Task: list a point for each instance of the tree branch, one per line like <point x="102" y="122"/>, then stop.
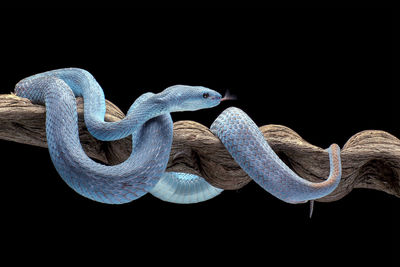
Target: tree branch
<point x="370" y="159"/>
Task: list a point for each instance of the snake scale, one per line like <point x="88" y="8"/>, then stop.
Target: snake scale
<point x="149" y="123"/>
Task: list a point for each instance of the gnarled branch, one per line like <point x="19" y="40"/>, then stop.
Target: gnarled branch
<point x="370" y="159"/>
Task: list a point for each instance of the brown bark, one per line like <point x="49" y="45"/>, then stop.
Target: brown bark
<point x="370" y="159"/>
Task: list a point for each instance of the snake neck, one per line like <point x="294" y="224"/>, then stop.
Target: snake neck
<point x="147" y="107"/>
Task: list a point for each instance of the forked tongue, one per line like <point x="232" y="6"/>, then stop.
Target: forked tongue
<point x="228" y="96"/>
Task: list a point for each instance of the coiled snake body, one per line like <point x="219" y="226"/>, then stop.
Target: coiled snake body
<point x="149" y="122"/>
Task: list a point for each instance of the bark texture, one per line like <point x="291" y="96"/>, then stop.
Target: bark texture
<point x="370" y="159"/>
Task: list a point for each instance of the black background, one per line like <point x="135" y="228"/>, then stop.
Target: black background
<point x="325" y="73"/>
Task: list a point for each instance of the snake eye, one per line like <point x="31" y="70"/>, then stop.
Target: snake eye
<point x="206" y="95"/>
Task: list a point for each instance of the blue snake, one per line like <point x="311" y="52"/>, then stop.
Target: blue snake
<point x="149" y="123"/>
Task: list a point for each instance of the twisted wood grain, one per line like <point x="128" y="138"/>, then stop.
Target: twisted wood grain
<point x="370" y="159"/>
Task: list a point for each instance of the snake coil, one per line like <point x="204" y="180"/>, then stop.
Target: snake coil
<point x="149" y="123"/>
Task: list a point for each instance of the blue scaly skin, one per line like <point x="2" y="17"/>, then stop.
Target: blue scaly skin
<point x="149" y="122"/>
<point x="254" y="155"/>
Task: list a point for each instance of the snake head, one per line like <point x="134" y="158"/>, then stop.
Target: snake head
<point x="191" y="98"/>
